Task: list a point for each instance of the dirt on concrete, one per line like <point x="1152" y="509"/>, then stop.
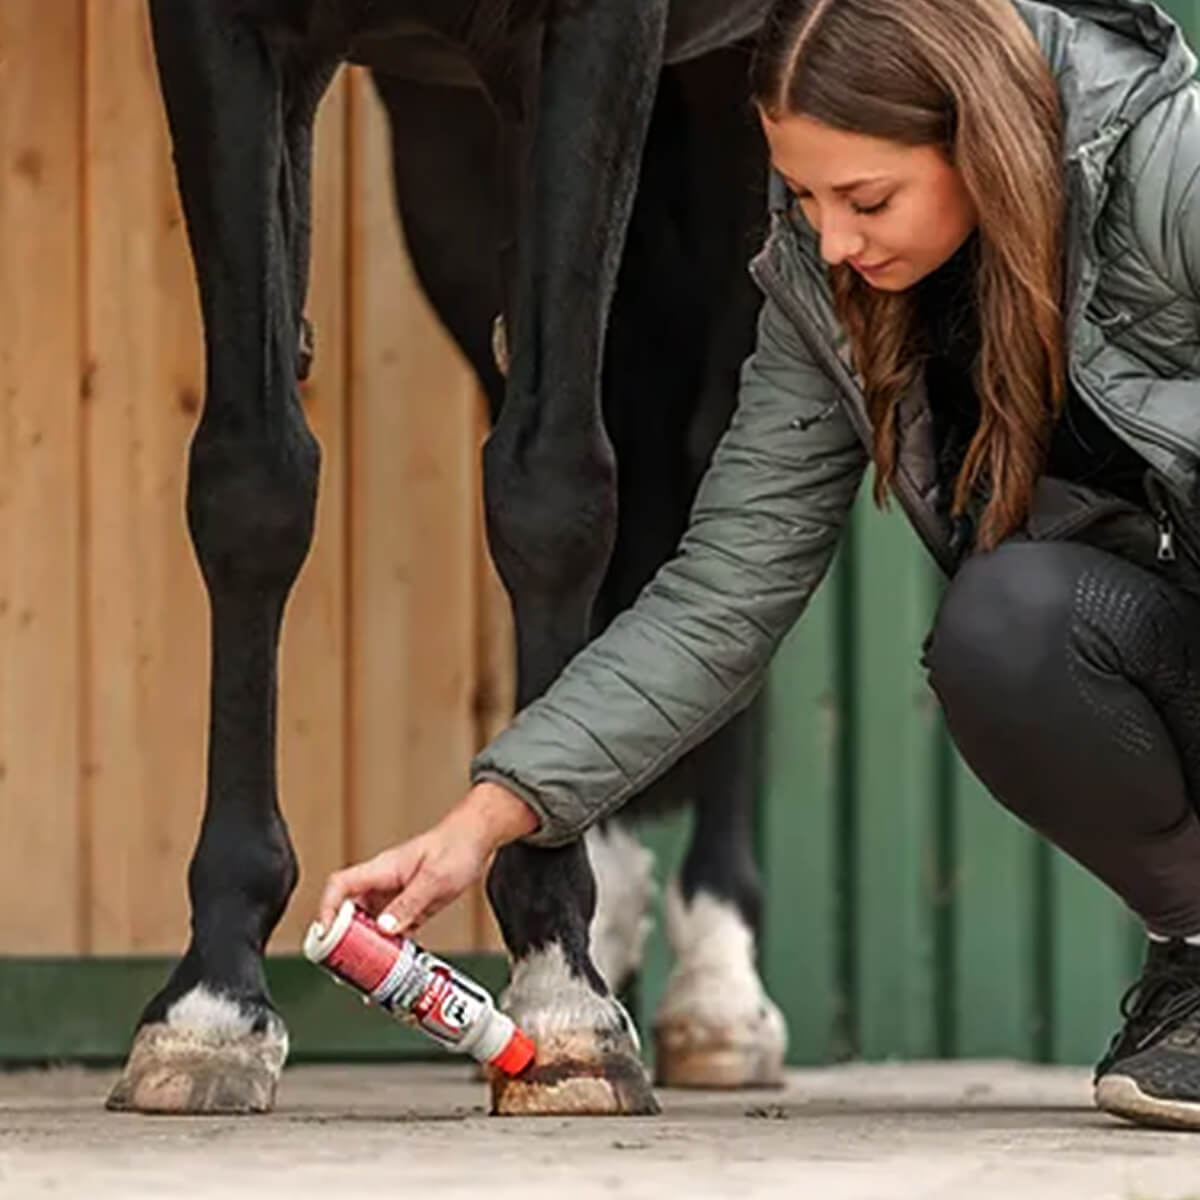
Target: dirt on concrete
<point x="973" y="1131"/>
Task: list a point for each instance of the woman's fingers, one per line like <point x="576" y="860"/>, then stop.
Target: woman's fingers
<point x="440" y="879"/>
<point x="412" y="881"/>
<point x="374" y="882"/>
<point x="411" y="909"/>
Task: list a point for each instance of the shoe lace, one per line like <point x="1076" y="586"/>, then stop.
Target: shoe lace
<point x="1161" y="1000"/>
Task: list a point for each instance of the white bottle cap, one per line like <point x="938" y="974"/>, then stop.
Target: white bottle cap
<point x="319" y="942"/>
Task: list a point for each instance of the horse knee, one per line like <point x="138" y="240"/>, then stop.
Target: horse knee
<point x="551" y="506"/>
<point x="251" y="507"/>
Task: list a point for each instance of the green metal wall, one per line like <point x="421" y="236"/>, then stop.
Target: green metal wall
<point x="1187" y="13"/>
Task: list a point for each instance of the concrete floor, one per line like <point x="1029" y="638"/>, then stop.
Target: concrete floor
<point x="936" y="1132"/>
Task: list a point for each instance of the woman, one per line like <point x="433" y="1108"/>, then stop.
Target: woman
<point x="983" y="275"/>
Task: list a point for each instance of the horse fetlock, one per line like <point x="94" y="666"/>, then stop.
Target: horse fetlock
<point x="239" y="885"/>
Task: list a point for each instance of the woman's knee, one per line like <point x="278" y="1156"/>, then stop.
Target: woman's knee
<point x="1002" y="625"/>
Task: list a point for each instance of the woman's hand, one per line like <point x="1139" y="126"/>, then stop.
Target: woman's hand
<point x="408" y="883"/>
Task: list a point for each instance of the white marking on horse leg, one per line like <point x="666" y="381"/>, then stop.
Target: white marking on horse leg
<point x="624" y="872"/>
<point x="547" y="999"/>
<point x="588" y="1056"/>
<point x="716" y="1026"/>
<point x="209" y="1016"/>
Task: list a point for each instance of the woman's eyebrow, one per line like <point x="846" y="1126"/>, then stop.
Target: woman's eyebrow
<point x="841" y="188"/>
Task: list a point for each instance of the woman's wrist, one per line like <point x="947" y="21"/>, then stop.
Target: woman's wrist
<point x="495" y="815"/>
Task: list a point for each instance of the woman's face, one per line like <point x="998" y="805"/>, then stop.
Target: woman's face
<point x="895" y="213"/>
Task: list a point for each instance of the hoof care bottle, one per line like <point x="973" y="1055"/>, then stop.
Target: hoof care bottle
<point x="416" y="987"/>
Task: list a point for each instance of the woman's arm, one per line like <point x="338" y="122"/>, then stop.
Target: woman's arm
<point x="689" y="653"/>
<point x="693" y="649"/>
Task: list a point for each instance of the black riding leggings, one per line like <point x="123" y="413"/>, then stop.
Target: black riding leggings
<point x="1070" y="681"/>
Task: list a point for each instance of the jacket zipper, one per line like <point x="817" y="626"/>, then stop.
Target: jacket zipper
<point x="1166" y="538"/>
<point x="1162" y="518"/>
<point x="931" y="534"/>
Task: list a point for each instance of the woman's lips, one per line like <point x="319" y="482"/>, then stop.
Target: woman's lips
<point x="871" y="268"/>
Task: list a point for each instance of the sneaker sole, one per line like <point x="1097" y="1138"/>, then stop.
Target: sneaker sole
<point x="1121" y="1096"/>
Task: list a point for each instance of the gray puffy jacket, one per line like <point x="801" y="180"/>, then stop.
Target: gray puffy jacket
<point x="695" y="646"/>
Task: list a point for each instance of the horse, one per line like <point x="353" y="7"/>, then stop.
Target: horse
<point x="548" y="159"/>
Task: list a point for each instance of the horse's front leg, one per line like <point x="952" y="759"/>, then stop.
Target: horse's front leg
<point x="241" y="120"/>
<point x="550" y="488"/>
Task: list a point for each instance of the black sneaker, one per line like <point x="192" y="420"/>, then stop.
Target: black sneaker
<point x="1151" y="1073"/>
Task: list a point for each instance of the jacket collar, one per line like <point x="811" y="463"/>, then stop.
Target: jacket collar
<point x="1113" y="60"/>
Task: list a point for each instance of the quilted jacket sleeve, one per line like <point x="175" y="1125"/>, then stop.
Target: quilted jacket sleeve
<point x="693" y="649"/>
<point x="1164" y="171"/>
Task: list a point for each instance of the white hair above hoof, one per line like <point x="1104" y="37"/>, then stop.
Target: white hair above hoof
<point x="588" y="1057"/>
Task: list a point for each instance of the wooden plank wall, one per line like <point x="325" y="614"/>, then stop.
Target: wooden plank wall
<point x="396" y="646"/>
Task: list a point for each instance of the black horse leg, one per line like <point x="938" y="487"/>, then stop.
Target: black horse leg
<point x="241" y="118"/>
<point x="716" y="1027"/>
<point x="550" y="492"/>
<point x="683" y="321"/>
<point x="446" y="147"/>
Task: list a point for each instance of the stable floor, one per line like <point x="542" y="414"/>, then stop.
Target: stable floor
<point x="895" y="1132"/>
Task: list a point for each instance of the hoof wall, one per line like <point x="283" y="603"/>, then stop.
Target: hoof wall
<point x="174" y="1071"/>
<point x="564" y="1081"/>
<point x="688" y="1055"/>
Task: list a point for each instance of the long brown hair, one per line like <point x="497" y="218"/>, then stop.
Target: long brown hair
<point x="969" y="77"/>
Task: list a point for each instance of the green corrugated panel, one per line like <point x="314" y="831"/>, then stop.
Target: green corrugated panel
<point x="1090" y="962"/>
<point x="1187" y="13"/>
<point x="995" y="919"/>
<point x="799" y="832"/>
<point x="905" y="906"/>
<point x="895" y="768"/>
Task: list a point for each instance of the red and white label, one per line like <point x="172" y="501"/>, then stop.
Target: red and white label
<point x="365" y="954"/>
<point x="447" y="1008"/>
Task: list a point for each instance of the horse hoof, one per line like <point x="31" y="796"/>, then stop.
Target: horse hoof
<point x="692" y="1054"/>
<point x="716" y="1027"/>
<point x="588" y="1061"/>
<point x="577" y="1075"/>
<point x="211" y="1055"/>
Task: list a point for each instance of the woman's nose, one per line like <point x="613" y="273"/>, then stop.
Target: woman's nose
<point x="840" y="242"/>
<point x="839" y="238"/>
